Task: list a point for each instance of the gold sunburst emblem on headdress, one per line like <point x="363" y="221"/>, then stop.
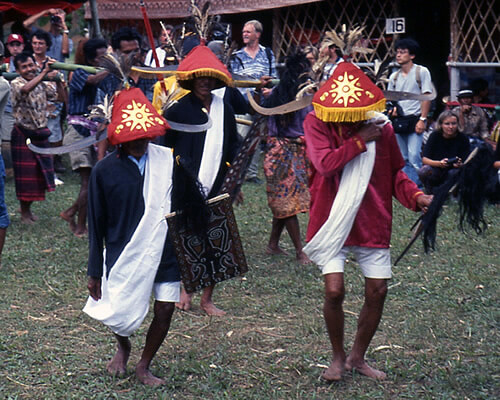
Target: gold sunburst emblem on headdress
<point x="345" y="90"/>
<point x="138" y="116"/>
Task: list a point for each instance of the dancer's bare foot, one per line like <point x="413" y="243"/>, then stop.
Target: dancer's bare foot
<point x="34" y="218"/>
<point x="70" y="220"/>
<point x="146" y="377"/>
<point x="334" y="371"/>
<point x="302" y="258"/>
<point x="185" y="301"/>
<point x="275" y="250"/>
<point x="364" y="369"/>
<point x="80" y="232"/>
<point x="118" y="364"/>
<point x="27" y="220"/>
<point x="210" y="308"/>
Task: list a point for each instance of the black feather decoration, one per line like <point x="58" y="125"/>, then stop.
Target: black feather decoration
<point x="476" y="184"/>
<point x="188" y="199"/>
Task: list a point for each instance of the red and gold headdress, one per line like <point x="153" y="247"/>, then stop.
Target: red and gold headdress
<point x="134" y="117"/>
<point x="348" y="96"/>
<point x="202" y="62"/>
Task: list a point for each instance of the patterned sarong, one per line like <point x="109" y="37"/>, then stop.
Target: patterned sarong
<point x="33" y="172"/>
<point x="286" y="169"/>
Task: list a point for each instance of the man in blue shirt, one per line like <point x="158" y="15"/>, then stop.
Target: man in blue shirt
<point x="82" y="93"/>
<point x="62" y="45"/>
<point x="254" y="61"/>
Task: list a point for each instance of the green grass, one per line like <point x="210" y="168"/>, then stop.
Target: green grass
<point x="437" y="339"/>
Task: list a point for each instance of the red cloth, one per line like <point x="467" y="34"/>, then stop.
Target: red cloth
<point x="329" y="148"/>
<point x="347" y="96"/>
<point x="33" y="172"/>
<point x="202" y="62"/>
<point x="134" y="117"/>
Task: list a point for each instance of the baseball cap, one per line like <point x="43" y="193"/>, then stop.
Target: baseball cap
<point x="14" y="37"/>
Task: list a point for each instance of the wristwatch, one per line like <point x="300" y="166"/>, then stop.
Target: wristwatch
<point x="66" y="31"/>
<point x="422" y="119"/>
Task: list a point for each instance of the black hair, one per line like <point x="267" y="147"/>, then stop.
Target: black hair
<point x="125" y="33"/>
<point x="90" y="48"/>
<point x="297" y="67"/>
<point x="42" y="35"/>
<point x="22" y="57"/>
<point x="478" y="85"/>
<point x="409" y="44"/>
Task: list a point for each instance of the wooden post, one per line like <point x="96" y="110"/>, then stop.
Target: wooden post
<point x="96" y="28"/>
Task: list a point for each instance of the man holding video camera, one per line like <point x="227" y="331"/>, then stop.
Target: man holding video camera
<point x="62" y="45"/>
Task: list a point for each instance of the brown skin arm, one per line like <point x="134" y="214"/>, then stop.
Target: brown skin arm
<point x="31" y="20"/>
<point x="423" y="201"/>
<point x="36" y="80"/>
<point x="94" y="287"/>
<point x="95" y="79"/>
<point x="369" y="132"/>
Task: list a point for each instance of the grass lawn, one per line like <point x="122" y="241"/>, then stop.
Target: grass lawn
<point x="436" y="339"/>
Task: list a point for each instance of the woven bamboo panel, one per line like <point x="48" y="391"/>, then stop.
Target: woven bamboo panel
<point x="475" y="30"/>
<point x="305" y="24"/>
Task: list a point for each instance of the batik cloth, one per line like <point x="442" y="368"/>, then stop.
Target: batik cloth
<point x="285" y="167"/>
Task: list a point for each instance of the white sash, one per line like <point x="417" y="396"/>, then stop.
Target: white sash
<point x="212" y="149"/>
<point x="330" y="238"/>
<point x="126" y="292"/>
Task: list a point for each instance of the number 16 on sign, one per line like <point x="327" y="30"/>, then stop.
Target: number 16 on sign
<point x="394" y="25"/>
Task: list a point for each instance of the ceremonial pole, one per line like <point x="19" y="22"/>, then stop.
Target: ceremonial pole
<point x="152" y="42"/>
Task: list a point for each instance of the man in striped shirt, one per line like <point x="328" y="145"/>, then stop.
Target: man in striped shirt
<point x="255" y="62"/>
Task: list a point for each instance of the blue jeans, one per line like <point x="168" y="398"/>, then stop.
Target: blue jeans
<point x="4" y="214"/>
<point x="411" y="146"/>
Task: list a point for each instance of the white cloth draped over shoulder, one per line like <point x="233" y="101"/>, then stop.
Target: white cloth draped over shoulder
<point x="212" y="149"/>
<point x="330" y="238"/>
<point x="127" y="291"/>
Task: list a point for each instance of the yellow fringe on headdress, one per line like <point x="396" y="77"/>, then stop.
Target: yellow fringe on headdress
<point x="204" y="72"/>
<point x="347" y="114"/>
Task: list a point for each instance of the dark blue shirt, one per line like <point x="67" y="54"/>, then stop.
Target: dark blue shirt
<point x="112" y="83"/>
<point x="81" y="96"/>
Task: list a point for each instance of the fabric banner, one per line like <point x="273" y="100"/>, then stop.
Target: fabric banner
<point x="205" y="261"/>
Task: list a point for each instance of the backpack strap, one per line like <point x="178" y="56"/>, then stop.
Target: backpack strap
<point x="417" y="77"/>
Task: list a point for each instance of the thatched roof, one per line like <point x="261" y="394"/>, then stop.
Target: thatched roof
<point x="171" y="9"/>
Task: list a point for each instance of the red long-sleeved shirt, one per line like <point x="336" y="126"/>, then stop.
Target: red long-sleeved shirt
<point x="330" y="147"/>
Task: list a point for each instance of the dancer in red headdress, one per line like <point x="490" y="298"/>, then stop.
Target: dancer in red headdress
<point x="129" y="196"/>
<point x="356" y="169"/>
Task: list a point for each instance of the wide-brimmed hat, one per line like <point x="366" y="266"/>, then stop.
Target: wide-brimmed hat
<point x="134" y="117"/>
<point x="202" y="62"/>
<point x="348" y="96"/>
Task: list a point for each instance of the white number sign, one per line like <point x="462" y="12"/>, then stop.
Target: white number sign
<point x="394" y="25"/>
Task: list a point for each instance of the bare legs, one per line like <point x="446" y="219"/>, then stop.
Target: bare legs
<point x="79" y="206"/>
<point x="206" y="302"/>
<point x="292" y="226"/>
<point x="157" y="332"/>
<point x="369" y="318"/>
<point x="27" y="217"/>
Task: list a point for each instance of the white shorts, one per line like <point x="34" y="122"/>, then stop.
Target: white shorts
<point x="374" y="263"/>
<point x="169" y="292"/>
